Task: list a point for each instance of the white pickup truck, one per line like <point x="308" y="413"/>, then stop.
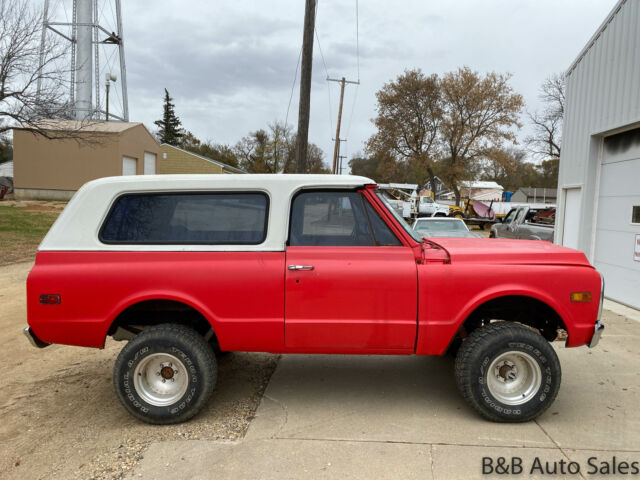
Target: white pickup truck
<point x="525" y="223"/>
<point x="427" y="207"/>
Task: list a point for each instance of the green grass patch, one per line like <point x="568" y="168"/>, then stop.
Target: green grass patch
<point x="21" y="232"/>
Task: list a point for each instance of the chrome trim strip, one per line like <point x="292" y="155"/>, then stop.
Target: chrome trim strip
<point x="597" y="333"/>
<point x="33" y="339"/>
<point x="601" y="296"/>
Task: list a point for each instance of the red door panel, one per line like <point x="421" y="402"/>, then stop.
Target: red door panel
<point x="353" y="298"/>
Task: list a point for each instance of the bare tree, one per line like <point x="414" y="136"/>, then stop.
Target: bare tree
<point x="546" y="140"/>
<point x="24" y="65"/>
<point x="274" y="151"/>
<point x="409" y="114"/>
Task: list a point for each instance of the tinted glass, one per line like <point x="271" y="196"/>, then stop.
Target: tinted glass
<point x="329" y="219"/>
<point x="635" y="214"/>
<point x="399" y="218"/>
<point x="381" y="231"/>
<point x="509" y="216"/>
<point x="188" y="218"/>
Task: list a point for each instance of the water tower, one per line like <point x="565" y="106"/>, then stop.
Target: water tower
<point x="94" y="30"/>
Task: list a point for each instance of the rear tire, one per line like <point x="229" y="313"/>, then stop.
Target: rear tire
<point x="165" y="374"/>
<point x="507" y="372"/>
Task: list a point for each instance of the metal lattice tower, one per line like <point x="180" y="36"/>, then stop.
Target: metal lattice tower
<point x="94" y="25"/>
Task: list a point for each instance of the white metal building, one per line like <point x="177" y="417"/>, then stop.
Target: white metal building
<point x="599" y="180"/>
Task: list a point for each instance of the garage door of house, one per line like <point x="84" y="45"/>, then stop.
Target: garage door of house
<point x="129" y="166"/>
<point x="149" y="163"/>
<point x="617" y="248"/>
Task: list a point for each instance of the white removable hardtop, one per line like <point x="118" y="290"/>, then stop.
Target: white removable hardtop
<point x="77" y="228"/>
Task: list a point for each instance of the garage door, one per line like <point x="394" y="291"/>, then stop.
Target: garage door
<point x="149" y="163"/>
<point x="571" y="229"/>
<point x="618" y="225"/>
<point x="129" y="166"/>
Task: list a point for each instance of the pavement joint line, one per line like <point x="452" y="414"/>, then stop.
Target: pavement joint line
<point x="433" y="475"/>
<point x="447" y="444"/>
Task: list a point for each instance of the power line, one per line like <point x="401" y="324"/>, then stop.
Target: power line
<point x="293" y="87"/>
<point x="326" y="71"/>
<point x="353" y="107"/>
<point x="357" y="41"/>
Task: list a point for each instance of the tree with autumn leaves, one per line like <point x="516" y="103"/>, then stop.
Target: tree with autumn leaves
<point x="445" y="125"/>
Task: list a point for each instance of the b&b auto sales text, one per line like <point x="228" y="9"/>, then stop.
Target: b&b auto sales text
<point x="593" y="466"/>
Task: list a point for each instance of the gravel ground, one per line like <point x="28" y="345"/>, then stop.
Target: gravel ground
<point x="59" y="415"/>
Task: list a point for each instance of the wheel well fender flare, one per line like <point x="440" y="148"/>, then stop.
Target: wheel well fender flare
<point x="496" y="293"/>
<point x="139" y="298"/>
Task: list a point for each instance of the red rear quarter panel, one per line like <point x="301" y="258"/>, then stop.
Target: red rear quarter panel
<point x="240" y="293"/>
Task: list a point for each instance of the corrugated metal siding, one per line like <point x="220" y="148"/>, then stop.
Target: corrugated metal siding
<point x="6" y="169"/>
<point x="603" y="94"/>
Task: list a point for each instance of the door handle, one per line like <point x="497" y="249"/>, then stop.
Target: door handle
<point x="300" y="267"/>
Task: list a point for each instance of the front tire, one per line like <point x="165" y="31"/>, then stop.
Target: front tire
<point x="508" y="372"/>
<point x="165" y="374"/>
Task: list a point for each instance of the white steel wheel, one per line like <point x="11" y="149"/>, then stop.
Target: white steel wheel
<point x="514" y="378"/>
<point x="161" y="379"/>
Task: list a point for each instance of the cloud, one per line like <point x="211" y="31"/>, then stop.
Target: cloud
<point x="230" y="65"/>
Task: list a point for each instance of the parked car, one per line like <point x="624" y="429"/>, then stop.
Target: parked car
<point x="524" y="223"/>
<point x="184" y="266"/>
<point x="443" y="227"/>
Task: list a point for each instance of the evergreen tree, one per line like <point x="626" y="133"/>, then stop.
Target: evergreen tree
<point x="169" y="127"/>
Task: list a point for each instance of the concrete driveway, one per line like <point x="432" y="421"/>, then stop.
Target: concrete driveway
<point x="402" y="417"/>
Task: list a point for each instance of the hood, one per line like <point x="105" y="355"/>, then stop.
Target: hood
<point x="509" y="252"/>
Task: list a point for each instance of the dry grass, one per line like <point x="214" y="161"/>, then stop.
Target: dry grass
<point x="22" y="227"/>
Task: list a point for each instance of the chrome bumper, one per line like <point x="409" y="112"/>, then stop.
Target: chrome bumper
<point x="35" y="341"/>
<point x="599" y="326"/>
<point x="597" y="333"/>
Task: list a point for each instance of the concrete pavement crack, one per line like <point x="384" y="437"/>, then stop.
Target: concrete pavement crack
<point x="446" y="444"/>
<point x="285" y="411"/>
<point x="557" y="445"/>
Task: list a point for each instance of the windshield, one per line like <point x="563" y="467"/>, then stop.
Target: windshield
<point x="441" y="226"/>
<point x="398" y="217"/>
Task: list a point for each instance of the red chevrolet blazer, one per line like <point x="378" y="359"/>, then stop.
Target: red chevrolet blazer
<point x="183" y="267"/>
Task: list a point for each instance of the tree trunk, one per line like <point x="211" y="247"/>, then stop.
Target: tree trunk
<point x="432" y="181"/>
<point x="456" y="191"/>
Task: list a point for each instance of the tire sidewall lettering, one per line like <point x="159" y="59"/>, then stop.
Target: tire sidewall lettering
<point x="514" y="410"/>
<point x="131" y="395"/>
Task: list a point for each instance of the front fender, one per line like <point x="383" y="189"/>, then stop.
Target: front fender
<point x="449" y="294"/>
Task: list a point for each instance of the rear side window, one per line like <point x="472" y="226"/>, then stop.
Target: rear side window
<point x="188" y="218"/>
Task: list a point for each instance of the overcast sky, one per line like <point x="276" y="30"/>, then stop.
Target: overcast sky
<point x="229" y="65"/>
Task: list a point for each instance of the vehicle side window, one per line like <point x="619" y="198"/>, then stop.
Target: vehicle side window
<point x="509" y="217"/>
<point x="187" y="218"/>
<point x="381" y="231"/>
<point x="328" y="219"/>
<point x="520" y="214"/>
<point x="335" y="218"/>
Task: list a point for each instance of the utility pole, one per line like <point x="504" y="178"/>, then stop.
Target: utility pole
<point x="336" y="166"/>
<point x="302" y="139"/>
<point x="336" y="148"/>
<point x="340" y="157"/>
